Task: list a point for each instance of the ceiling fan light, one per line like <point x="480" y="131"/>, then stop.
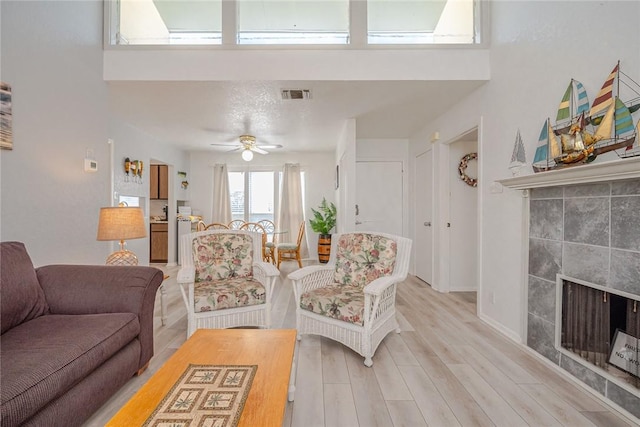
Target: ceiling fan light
<point x="247" y="155"/>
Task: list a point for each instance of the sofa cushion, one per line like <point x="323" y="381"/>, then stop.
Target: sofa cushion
<point x="46" y="356"/>
<point x="21" y="296"/>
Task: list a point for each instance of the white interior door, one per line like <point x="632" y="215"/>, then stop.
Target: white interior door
<point x="424" y="215"/>
<point x="379" y="192"/>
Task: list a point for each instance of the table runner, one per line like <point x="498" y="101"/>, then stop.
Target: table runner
<point x="205" y="395"/>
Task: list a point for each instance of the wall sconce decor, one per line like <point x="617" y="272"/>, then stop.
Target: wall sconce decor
<point x="133" y="167"/>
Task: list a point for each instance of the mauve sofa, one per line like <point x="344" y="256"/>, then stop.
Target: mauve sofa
<point x="72" y="335"/>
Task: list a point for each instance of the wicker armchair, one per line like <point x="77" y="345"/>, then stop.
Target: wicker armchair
<point x="351" y="299"/>
<point x="223" y="280"/>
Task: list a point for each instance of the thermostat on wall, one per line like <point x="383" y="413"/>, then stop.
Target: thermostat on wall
<point x="90" y="165"/>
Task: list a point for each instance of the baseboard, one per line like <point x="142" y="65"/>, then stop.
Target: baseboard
<point x="504" y="331"/>
<point x="518" y="340"/>
<point x="605" y="401"/>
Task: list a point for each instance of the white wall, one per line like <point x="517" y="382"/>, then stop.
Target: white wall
<point x="531" y="67"/>
<point x="319" y="169"/>
<point x="52" y="58"/>
<point x="345" y="156"/>
<point x="463" y="208"/>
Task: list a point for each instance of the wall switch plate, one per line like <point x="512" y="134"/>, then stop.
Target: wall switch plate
<point x="90" y="165"/>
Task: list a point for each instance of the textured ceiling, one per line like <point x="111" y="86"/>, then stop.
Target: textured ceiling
<point x="192" y="115"/>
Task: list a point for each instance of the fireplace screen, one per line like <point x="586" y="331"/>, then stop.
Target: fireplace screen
<point x="590" y="319"/>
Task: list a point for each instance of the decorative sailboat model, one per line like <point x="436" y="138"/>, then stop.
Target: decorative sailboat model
<point x="518" y="157"/>
<point x="548" y="150"/>
<point x="615" y="128"/>
<point x="574" y="103"/>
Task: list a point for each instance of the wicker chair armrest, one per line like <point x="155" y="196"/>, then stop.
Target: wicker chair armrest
<point x="267" y="268"/>
<point x="378" y="286"/>
<point x="308" y="278"/>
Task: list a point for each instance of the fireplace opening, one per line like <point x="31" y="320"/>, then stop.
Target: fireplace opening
<point x="602" y="328"/>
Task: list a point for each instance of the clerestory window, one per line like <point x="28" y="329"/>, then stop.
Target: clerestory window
<point x="294" y="22"/>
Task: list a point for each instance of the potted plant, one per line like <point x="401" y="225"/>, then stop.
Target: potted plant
<point x="324" y="220"/>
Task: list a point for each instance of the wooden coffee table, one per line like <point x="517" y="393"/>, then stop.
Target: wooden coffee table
<point x="271" y="349"/>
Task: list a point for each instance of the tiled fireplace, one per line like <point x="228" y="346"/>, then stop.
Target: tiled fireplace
<point x="589" y="232"/>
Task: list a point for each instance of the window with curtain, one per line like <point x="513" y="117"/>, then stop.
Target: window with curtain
<point x="253" y="195"/>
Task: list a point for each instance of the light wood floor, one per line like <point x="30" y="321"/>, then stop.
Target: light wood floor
<point x="446" y="368"/>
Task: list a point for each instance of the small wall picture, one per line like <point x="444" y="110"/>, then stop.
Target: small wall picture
<point x="6" y="119"/>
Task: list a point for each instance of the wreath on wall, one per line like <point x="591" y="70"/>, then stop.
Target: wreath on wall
<point x="462" y="167"/>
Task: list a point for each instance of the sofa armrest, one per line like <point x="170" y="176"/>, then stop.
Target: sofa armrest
<point x="92" y="289"/>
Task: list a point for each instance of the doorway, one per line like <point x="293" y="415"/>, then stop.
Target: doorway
<point x="463" y="215"/>
<point x="424" y="216"/>
<point x="379" y="196"/>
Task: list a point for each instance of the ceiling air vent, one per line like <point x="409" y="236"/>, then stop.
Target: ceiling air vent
<point x="296" y="94"/>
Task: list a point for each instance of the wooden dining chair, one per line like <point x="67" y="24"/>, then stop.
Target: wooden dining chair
<point x="272" y="239"/>
<point x="257" y="228"/>
<point x="216" y="226"/>
<point x="291" y="251"/>
<point x="235" y="224"/>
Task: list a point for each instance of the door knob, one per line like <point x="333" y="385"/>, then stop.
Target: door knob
<point x="358" y="222"/>
<point x="427" y="223"/>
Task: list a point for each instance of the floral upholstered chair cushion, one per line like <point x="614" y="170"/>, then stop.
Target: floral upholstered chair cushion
<point x="222" y="256"/>
<point x="360" y="259"/>
<point x="224" y="272"/>
<point x="227" y="293"/>
<point x="340" y="302"/>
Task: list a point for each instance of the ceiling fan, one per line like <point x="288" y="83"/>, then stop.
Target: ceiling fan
<point x="248" y="145"/>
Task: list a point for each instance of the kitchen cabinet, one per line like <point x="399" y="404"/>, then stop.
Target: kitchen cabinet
<point x="159" y="182"/>
<point x="159" y="242"/>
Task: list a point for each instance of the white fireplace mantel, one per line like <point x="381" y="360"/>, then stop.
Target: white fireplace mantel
<point x="584" y="174"/>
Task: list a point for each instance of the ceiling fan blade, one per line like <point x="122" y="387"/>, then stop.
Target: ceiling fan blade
<point x="259" y="150"/>
<point x="270" y="146"/>
<point x="235" y="149"/>
<point x="225" y="144"/>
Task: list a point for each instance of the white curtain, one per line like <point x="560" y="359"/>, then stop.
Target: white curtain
<point x="221" y="198"/>
<point x="291" y="212"/>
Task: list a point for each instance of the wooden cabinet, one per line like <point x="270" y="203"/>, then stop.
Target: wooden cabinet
<point x="159" y="182"/>
<point x="159" y="242"/>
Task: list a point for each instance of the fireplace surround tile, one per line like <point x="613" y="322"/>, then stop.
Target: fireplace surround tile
<point x="587" y="190"/>
<point x="623" y="398"/>
<point x="625" y="188"/>
<point x="586" y="262"/>
<point x="625" y="271"/>
<point x="540" y="337"/>
<point x="545" y="258"/>
<point x="546" y="219"/>
<point x="625" y="224"/>
<point x="584" y="374"/>
<point x="547" y="193"/>
<point x="542" y="298"/>
<point x="586" y="220"/>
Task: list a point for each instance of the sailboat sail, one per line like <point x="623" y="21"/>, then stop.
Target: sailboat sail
<point x="617" y="120"/>
<point x="605" y="96"/>
<point x="574" y="102"/>
<point x="548" y="149"/>
<point x="518" y="157"/>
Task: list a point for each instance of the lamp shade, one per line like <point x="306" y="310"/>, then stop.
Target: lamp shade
<point x="121" y="223"/>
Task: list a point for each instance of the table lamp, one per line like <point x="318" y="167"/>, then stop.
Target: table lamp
<point x="121" y="223"/>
